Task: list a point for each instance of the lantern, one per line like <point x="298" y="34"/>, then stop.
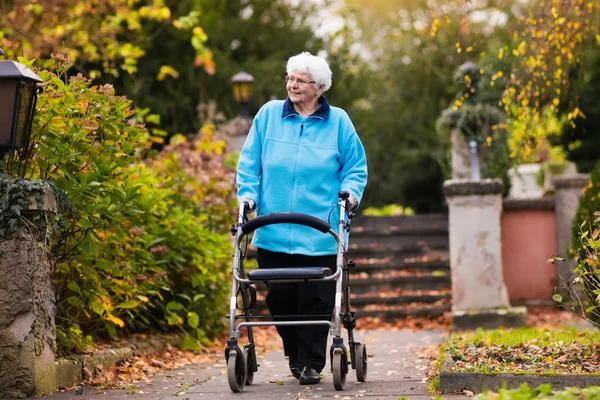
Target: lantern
<point x="243" y="86"/>
<point x="18" y="97"/>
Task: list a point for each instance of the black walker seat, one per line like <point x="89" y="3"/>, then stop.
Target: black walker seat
<point x="267" y="274"/>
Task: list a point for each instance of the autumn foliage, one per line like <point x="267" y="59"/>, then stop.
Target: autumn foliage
<point x="145" y="243"/>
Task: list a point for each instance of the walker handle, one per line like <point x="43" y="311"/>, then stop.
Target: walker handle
<point x="282" y="218"/>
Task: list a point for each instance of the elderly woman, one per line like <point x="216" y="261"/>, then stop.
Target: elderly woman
<point x="300" y="152"/>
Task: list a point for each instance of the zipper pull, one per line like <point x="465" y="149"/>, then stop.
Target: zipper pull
<point x="301" y="129"/>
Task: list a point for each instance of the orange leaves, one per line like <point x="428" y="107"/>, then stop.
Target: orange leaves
<point x="100" y="32"/>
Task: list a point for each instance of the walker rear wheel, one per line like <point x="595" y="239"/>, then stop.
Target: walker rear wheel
<point x="236" y="371"/>
<point x="361" y="362"/>
<point x="339" y="369"/>
<point x="249" y="372"/>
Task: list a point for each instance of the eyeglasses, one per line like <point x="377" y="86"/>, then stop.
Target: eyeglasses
<point x="300" y="82"/>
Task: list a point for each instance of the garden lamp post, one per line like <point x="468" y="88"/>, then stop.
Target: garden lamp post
<point x="18" y="97"/>
<point x="243" y="86"/>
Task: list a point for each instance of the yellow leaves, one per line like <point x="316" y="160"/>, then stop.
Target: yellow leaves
<point x="58" y="123"/>
<point x="554" y="259"/>
<point x="167" y="70"/>
<point x="199" y="33"/>
<point x="156" y="139"/>
<point x="129" y="304"/>
<point x="117" y="321"/>
<point x="521" y="49"/>
<point x="575" y="113"/>
<point x="156" y="13"/>
<point x="501" y="53"/>
<point x="177" y="139"/>
<point x="598" y="39"/>
<point x="435" y="23"/>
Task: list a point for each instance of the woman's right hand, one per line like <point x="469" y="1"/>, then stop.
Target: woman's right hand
<point x="250" y="203"/>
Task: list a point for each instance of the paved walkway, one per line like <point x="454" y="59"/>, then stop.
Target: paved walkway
<point x="395" y="371"/>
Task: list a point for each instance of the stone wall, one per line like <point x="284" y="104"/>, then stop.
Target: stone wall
<point x="27" y="309"/>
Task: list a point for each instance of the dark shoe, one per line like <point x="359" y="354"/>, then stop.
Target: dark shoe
<point x="296" y="369"/>
<point x="309" y="376"/>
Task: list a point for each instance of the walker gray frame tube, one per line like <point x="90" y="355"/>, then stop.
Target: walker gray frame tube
<point x="234" y="331"/>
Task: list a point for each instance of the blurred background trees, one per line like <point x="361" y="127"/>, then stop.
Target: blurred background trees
<point x="393" y="63"/>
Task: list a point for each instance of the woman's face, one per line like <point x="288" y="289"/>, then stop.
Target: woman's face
<point x="301" y="88"/>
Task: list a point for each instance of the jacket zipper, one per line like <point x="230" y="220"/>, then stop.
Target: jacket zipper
<point x="294" y="181"/>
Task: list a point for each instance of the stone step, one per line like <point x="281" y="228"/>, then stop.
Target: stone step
<point x="376" y="281"/>
<point x="365" y="300"/>
<point x="416" y="311"/>
<point x="396" y="253"/>
<point x="433" y="241"/>
<point x="420" y="264"/>
<point x="437" y="229"/>
<point x="424" y="282"/>
<point x="389" y="304"/>
<point x="400" y="225"/>
<point x="399" y="242"/>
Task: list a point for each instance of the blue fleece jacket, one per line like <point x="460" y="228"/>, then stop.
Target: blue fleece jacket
<point x="295" y="164"/>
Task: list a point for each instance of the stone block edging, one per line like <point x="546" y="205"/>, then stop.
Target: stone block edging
<point x="69" y="370"/>
<point x="544" y="203"/>
<point x="489" y="318"/>
<point x="465" y="187"/>
<point x="479" y="382"/>
<point x="571" y="181"/>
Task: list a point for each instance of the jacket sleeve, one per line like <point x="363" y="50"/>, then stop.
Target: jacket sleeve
<point x="249" y="168"/>
<point x="354" y="168"/>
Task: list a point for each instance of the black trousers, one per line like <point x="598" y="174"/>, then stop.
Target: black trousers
<point x="306" y="344"/>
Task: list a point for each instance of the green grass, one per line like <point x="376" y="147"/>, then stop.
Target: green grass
<point x="525" y="351"/>
<point x="512" y="337"/>
<point x="434" y="382"/>
<point x="542" y="392"/>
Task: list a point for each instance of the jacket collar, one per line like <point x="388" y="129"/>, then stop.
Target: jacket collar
<point x="322" y="112"/>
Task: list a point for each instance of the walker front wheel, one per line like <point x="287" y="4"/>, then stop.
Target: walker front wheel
<point x="236" y="371"/>
<point x="339" y="369"/>
<point x="361" y="362"/>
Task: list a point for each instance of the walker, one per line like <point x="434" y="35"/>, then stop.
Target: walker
<point x="241" y="362"/>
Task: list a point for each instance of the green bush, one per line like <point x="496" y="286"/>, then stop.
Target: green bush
<point x="586" y="245"/>
<point x="388" y="210"/>
<point x="144" y="244"/>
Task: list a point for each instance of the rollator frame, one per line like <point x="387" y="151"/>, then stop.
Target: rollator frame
<point x="244" y="363"/>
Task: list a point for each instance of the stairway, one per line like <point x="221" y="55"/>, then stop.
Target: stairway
<point x="402" y="267"/>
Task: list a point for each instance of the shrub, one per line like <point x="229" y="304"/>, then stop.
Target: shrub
<point x="586" y="247"/>
<point x="145" y="243"/>
<point x="388" y="210"/>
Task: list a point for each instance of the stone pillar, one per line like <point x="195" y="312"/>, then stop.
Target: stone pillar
<point x="27" y="304"/>
<point x="461" y="163"/>
<point x="568" y="190"/>
<point x="479" y="295"/>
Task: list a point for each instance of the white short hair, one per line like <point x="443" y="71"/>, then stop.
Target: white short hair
<point x="317" y="67"/>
